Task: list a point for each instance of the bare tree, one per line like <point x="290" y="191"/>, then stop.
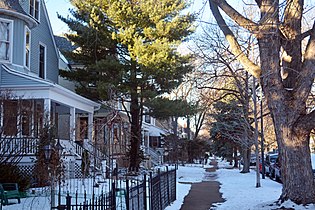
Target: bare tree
<point x="286" y="72"/>
<point x="16" y="133"/>
<point x="221" y="75"/>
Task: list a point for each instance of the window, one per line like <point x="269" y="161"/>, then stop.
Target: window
<point x="5" y="39"/>
<point x="42" y="61"/>
<point x="34" y="8"/>
<point x="10" y="113"/>
<point x="27" y="47"/>
<point x="147" y="118"/>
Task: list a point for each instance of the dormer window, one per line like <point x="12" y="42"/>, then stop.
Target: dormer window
<point x="6" y="31"/>
<point x="34" y="8"/>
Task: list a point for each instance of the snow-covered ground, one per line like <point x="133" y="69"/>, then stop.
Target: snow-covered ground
<point x="239" y="191"/>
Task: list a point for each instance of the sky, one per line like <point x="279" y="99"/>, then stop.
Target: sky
<point x="238" y="189"/>
<point x="62" y="7"/>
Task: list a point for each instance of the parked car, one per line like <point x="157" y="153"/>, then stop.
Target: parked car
<point x="252" y="161"/>
<point x="269" y="160"/>
<point x="275" y="170"/>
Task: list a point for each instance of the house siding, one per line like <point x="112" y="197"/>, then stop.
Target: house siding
<point x="25" y="5"/>
<point x="42" y="35"/>
<point x="18" y="43"/>
<point x="8" y="79"/>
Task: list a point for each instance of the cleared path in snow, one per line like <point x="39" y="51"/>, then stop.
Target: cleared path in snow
<point x="202" y="195"/>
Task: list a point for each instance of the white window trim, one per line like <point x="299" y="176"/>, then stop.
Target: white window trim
<point x="29" y="56"/>
<point x="11" y="40"/>
<point x="39" y="6"/>
<point x="45" y="59"/>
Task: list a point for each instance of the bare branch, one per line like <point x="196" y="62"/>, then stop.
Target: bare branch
<point x="307" y="75"/>
<point x="258" y="2"/>
<point x="251" y="67"/>
<point x="308" y="121"/>
<point x="236" y="16"/>
<point x="305" y="34"/>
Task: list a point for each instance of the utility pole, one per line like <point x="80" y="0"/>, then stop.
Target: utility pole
<point x="256" y="133"/>
<point x="262" y="137"/>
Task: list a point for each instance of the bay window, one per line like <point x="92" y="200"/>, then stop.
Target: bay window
<point x="5" y="39"/>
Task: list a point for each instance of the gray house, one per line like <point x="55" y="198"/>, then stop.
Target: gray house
<point x="29" y="91"/>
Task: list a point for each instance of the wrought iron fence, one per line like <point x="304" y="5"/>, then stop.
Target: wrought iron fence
<point x="153" y="192"/>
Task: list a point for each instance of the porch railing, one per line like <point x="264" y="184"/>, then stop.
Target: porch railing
<point x="155" y="157"/>
<point x="20" y="146"/>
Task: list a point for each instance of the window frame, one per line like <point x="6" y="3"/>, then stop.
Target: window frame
<point x="10" y="41"/>
<point x="39" y="60"/>
<point x="34" y="9"/>
<point x="27" y="49"/>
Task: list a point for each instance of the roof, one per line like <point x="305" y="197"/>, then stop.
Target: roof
<point x="13" y="8"/>
<point x="33" y="87"/>
<point x="64" y="44"/>
<point x="12" y="5"/>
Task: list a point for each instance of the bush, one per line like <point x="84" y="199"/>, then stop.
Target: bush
<point x="12" y="174"/>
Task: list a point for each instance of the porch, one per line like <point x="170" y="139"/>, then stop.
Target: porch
<point x="28" y="103"/>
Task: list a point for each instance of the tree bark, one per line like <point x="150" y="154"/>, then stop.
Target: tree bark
<point x="135" y="138"/>
<point x="246" y="160"/>
<point x="293" y="144"/>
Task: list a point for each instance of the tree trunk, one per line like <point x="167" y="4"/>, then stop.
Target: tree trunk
<point x="292" y="136"/>
<point x="296" y="173"/>
<point x="246" y="160"/>
<point x="287" y="106"/>
<point x="235" y="156"/>
<point x="135" y="138"/>
<point x="175" y="125"/>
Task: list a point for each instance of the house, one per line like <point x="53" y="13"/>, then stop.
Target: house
<point x="112" y="126"/>
<point x="30" y="94"/>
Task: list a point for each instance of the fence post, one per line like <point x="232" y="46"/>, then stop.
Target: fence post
<point x="127" y="194"/>
<point x="113" y="195"/>
<point x="160" y="190"/>
<point x="168" y="185"/>
<point x="68" y="201"/>
<point x="144" y="182"/>
<point x="175" y="174"/>
<point x="151" y="190"/>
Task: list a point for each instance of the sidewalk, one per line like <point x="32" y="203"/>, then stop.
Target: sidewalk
<point x="202" y="195"/>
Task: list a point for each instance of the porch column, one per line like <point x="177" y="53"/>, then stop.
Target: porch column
<point x="72" y="124"/>
<point x="47" y="111"/>
<point x="90" y="127"/>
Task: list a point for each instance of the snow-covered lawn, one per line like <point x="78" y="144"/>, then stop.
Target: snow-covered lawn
<point x="239" y="191"/>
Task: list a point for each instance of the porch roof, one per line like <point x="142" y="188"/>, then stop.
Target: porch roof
<point x="31" y="87"/>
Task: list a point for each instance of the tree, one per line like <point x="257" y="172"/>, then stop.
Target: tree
<point x="221" y="78"/>
<point x="286" y="72"/>
<point x="141" y="61"/>
<point x="230" y="129"/>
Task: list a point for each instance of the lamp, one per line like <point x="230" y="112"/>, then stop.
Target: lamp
<point x="59" y="148"/>
<point x="47" y="152"/>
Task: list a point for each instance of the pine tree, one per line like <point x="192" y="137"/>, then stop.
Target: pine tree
<point x="130" y="48"/>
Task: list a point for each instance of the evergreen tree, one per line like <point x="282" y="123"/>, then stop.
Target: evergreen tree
<point x="229" y="129"/>
<point x="128" y="48"/>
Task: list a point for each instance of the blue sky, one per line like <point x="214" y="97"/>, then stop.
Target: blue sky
<point x="62" y="7"/>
